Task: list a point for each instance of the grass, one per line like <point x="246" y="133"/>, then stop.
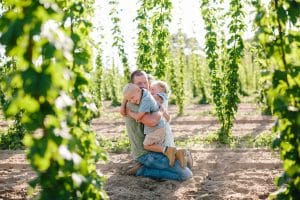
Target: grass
<point x="116" y="145"/>
<point x="121" y="144"/>
<point x="206" y="140"/>
<point x="265" y="140"/>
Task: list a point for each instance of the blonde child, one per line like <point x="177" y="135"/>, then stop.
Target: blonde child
<point x="160" y="91"/>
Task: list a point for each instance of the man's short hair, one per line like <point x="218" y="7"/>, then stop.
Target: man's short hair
<point x="137" y="73"/>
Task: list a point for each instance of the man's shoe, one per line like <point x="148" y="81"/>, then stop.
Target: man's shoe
<point x="180" y="156"/>
<point x="133" y="170"/>
<point x="170" y="153"/>
<point x="189" y="159"/>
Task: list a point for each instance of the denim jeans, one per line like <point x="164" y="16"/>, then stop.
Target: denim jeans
<point x="156" y="165"/>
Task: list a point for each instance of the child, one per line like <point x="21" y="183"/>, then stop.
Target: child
<point x="155" y="136"/>
<point x="160" y="91"/>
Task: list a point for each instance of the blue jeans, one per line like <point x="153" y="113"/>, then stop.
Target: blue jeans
<point x="156" y="165"/>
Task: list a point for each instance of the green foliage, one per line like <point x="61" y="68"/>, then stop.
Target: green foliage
<point x="160" y="36"/>
<point x="145" y="43"/>
<point x="116" y="145"/>
<point x="7" y="68"/>
<point x="173" y="82"/>
<point x="118" y="38"/>
<point x="54" y="94"/>
<point x="12" y="139"/>
<point x="211" y="49"/>
<point x="280" y="35"/>
<point x="234" y="53"/>
<point x="98" y="82"/>
<point x="180" y="93"/>
<point x="209" y="139"/>
<point x="113" y="85"/>
<point x="197" y="83"/>
<point x="106" y="85"/>
<point x="265" y="77"/>
<point x="177" y="72"/>
<point x="263" y="140"/>
<point x="224" y="68"/>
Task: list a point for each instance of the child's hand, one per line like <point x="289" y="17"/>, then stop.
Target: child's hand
<point x="158" y="99"/>
<point x="162" y="109"/>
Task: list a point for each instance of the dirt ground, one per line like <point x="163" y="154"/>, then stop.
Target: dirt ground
<point x="219" y="173"/>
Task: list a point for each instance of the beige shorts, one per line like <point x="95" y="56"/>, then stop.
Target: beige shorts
<point x="155" y="137"/>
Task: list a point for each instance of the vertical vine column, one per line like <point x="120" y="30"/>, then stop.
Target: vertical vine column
<point x="211" y="49"/>
<point x="51" y="87"/>
<point x="145" y="43"/>
<point x="235" y="48"/>
<point x="98" y="80"/>
<point x="119" y="39"/>
<point x="160" y="36"/>
<point x="180" y="76"/>
<point x="112" y="84"/>
<point x="224" y="68"/>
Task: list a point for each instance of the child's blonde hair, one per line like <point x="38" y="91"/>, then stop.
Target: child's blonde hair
<point x="162" y="85"/>
<point x="130" y="88"/>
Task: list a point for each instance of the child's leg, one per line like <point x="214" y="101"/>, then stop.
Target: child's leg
<point x="154" y="148"/>
<point x="153" y="142"/>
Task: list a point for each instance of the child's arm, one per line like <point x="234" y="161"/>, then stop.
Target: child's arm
<point x="123" y="107"/>
<point x="137" y="116"/>
<point x="166" y="115"/>
<point x="154" y="148"/>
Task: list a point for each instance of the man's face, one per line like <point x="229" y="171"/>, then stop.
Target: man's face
<point x="141" y="81"/>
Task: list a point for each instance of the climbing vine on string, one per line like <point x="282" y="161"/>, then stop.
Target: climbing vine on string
<point x="118" y="39"/>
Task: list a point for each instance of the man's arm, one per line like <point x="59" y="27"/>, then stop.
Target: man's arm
<point x="148" y="119"/>
<point x="151" y="119"/>
<point x="137" y="116"/>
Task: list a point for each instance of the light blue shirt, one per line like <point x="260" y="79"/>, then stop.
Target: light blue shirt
<point x="149" y="105"/>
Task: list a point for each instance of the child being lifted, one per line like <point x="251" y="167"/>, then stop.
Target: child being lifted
<point x="154" y="136"/>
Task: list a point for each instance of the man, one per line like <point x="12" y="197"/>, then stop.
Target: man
<point x="151" y="164"/>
